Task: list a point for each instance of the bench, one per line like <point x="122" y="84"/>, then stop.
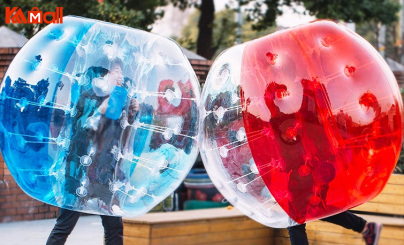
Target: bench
<point x="320" y="232"/>
<point x="205" y="226"/>
<point x="390" y="200"/>
<point x="229" y="226"/>
<point x="387" y="208"/>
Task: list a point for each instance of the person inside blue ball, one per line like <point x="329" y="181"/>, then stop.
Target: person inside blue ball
<point x="98" y="135"/>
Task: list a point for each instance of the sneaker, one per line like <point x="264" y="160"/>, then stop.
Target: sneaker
<point x="372" y="232"/>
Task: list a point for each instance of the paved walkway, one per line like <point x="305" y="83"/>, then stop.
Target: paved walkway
<point x="88" y="231"/>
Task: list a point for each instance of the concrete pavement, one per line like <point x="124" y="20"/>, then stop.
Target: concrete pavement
<point x="88" y="231"/>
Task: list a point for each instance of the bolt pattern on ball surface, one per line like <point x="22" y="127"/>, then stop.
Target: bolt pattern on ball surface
<point x="310" y="115"/>
<point x="99" y="118"/>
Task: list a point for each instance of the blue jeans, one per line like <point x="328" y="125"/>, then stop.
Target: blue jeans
<point x="348" y="220"/>
<point x="65" y="223"/>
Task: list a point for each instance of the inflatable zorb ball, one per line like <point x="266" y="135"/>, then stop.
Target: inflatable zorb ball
<point x="301" y="124"/>
<point x="99" y="118"/>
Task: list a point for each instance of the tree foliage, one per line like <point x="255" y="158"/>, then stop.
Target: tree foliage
<point x="134" y="13"/>
<point x="260" y="13"/>
<point x="264" y="13"/>
<point x="224" y="32"/>
<point x="383" y="11"/>
<point x="223" y="35"/>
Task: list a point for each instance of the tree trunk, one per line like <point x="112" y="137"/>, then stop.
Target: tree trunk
<point x="205" y="25"/>
<point x="377" y="34"/>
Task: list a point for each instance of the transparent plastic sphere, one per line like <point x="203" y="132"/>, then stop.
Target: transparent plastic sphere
<point x="224" y="147"/>
<point x="300" y="124"/>
<point x="99" y="118"/>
